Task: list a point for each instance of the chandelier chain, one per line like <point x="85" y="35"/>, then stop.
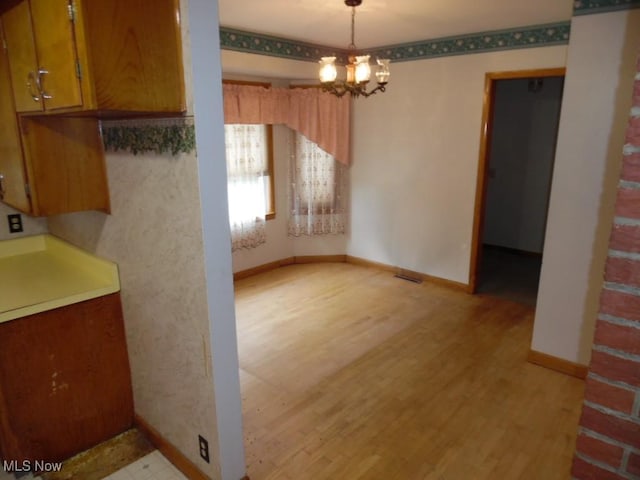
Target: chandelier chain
<point x="352" y="46"/>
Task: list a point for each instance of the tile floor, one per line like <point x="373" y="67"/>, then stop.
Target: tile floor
<point x="509" y="275"/>
<point x="8" y="476"/>
<point x="150" y="467"/>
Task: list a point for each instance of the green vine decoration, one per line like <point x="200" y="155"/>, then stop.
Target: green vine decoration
<point x="159" y="139"/>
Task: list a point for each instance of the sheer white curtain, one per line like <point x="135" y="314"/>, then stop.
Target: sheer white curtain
<point x="318" y="190"/>
<point x="247" y="168"/>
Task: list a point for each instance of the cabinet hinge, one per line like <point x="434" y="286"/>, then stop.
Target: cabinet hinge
<point x="78" y="70"/>
<point x="72" y="11"/>
<point x="27" y="190"/>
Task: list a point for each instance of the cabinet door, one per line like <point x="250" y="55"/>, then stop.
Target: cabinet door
<point x="65" y="163"/>
<point x="53" y="26"/>
<point x="136" y="54"/>
<point x="73" y="388"/>
<point x="22" y="57"/>
<point x="12" y="183"/>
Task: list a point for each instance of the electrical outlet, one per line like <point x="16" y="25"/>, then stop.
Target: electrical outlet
<point x="204" y="448"/>
<point x="15" y="222"/>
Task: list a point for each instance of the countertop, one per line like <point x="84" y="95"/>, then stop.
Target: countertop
<point x="42" y="272"/>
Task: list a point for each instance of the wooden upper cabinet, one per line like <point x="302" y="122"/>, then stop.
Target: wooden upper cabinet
<point x="136" y="54"/>
<point x="13" y="190"/>
<point x="65" y="164"/>
<point x="18" y="37"/>
<point x="58" y="64"/>
<point x="104" y="57"/>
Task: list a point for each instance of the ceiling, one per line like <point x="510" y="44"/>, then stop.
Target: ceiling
<point x="386" y="22"/>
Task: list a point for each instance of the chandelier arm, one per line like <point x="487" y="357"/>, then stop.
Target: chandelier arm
<point x="335" y="89"/>
<point x="379" y="88"/>
<point x="340" y="89"/>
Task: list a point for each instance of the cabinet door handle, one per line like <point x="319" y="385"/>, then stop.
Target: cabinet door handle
<point x="31" y="79"/>
<point x="41" y="72"/>
<point x="1" y="186"/>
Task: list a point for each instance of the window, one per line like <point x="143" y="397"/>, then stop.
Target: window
<point x="249" y="153"/>
<point x="250" y="167"/>
<point x="319" y="186"/>
<point x="315" y="176"/>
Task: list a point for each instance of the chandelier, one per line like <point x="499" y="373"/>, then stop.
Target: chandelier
<point x="358" y="68"/>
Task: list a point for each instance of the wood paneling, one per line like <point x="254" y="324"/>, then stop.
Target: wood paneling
<point x="135" y="54"/>
<point x="23" y="63"/>
<point x="11" y="165"/>
<point x="347" y="372"/>
<point x="82" y="59"/>
<point x="65" y="383"/>
<point x="558" y="364"/>
<point x="363" y="262"/>
<point x="56" y="53"/>
<point x="321" y="259"/>
<point x="288" y="261"/>
<point x="348" y="259"/>
<point x="65" y="164"/>
<point x="263" y="268"/>
<point x="96" y="57"/>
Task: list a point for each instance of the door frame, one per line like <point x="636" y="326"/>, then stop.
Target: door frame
<point x="486" y="132"/>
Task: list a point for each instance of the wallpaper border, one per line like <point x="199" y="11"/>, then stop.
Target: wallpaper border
<point x="150" y="135"/>
<point x="177" y="135"/>
<point x="590" y="7"/>
<point x="496" y="40"/>
<point x="249" y="42"/>
<point x="499" y="40"/>
<point x="513" y="38"/>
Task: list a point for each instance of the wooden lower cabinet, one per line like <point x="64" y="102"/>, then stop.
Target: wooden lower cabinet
<point x="65" y="383"/>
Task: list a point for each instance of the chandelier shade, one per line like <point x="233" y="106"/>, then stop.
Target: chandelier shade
<point x="358" y="68"/>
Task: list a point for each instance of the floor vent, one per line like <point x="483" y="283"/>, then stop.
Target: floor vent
<point x="409" y="277"/>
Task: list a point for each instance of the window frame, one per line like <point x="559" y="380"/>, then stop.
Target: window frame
<point x="270" y="214"/>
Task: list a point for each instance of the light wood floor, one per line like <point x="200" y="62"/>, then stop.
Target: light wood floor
<point x="349" y="373"/>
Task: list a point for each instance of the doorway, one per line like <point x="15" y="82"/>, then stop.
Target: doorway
<point x="518" y="138"/>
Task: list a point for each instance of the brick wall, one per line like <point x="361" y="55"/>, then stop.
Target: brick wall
<point x="608" y="445"/>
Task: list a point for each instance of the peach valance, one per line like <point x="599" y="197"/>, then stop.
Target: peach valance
<point x="321" y="117"/>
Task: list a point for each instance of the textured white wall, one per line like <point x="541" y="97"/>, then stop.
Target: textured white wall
<point x="595" y="109"/>
<point x="415" y="156"/>
<point x="242" y="64"/>
<point x="154" y="234"/>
